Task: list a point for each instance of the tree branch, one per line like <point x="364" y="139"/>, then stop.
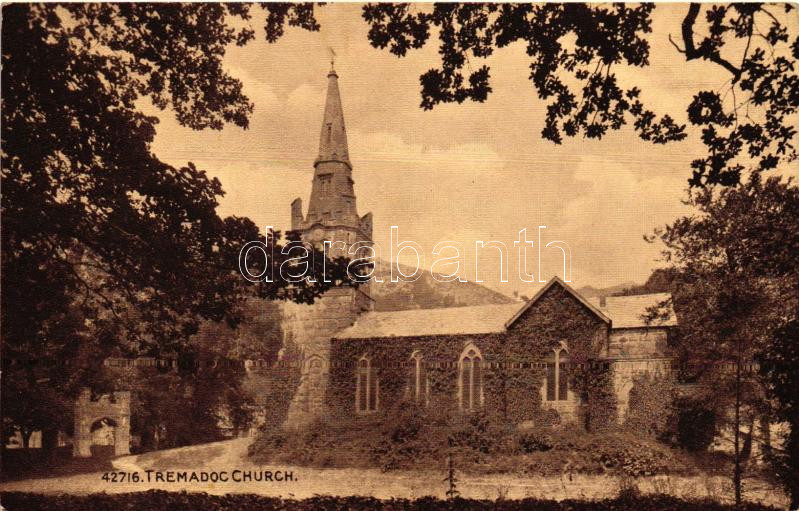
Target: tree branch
<point x="691" y="52"/>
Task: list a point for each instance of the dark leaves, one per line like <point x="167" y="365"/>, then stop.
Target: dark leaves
<point x="706" y="108"/>
<point x="752" y="117"/>
<point x="604" y="37"/>
<point x="393" y="26"/>
<point x="105" y="247"/>
<point x="295" y="15"/>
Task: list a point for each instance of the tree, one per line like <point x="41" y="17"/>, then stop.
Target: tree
<point x="778" y="368"/>
<point x="736" y="293"/>
<point x="206" y="387"/>
<point x="583" y="43"/>
<point x="105" y="248"/>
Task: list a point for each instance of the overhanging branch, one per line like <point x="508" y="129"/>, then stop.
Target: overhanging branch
<point x="692" y="53"/>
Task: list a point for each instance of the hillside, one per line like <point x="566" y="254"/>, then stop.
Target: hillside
<point x="427" y="292"/>
<point x="594" y="292"/>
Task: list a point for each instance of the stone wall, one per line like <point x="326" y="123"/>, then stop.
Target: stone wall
<point x="309" y="328"/>
<point x="513" y="374"/>
<point x="636" y="351"/>
<point x="638" y="343"/>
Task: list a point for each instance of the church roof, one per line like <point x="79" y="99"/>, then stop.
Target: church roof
<point x="557" y="281"/>
<point x="476" y="319"/>
<point x="631" y="311"/>
<point x="619" y="311"/>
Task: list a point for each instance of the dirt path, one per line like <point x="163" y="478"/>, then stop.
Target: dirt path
<point x="227" y="460"/>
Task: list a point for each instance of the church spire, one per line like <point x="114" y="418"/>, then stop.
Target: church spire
<point x="333" y="139"/>
<point x="332" y="201"/>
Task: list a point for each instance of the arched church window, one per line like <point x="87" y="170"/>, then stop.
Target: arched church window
<point x="367" y="387"/>
<point x="418" y="385"/>
<point x="470" y="378"/>
<point x="557" y="374"/>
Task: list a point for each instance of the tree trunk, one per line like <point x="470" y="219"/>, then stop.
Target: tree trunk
<point x="49" y="444"/>
<point x="26" y="438"/>
<point x="746" y="450"/>
<point x="765" y="432"/>
<point x="736" y="475"/>
<point x="147" y="442"/>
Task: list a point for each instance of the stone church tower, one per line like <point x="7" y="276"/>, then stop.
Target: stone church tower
<point x="332" y="216"/>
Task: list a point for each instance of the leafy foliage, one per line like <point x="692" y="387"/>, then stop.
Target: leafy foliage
<point x="604" y="37"/>
<point x="651" y="405"/>
<point x="415" y="438"/>
<point x="574" y="48"/>
<point x="696" y="426"/>
<point x="598" y="400"/>
<point x="778" y="368"/>
<point x="738" y="137"/>
<point x="106" y="249"/>
<point x="735" y="291"/>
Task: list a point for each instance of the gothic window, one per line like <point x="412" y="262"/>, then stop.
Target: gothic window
<point x="557" y="373"/>
<point x="418" y="384"/>
<point x="367" y="387"/>
<point x="470" y="378"/>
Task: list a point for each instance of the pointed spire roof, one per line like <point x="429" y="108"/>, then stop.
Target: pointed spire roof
<point x="332" y="192"/>
<point x="333" y="139"/>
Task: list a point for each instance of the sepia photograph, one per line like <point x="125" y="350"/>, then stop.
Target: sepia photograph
<point x="399" y="256"/>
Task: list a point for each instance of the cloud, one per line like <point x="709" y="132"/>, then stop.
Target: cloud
<point x="459" y="172"/>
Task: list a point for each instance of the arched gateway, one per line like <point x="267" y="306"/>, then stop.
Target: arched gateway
<point x="113" y="407"/>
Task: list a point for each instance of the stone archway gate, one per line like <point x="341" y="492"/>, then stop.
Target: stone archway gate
<point x="114" y="406"/>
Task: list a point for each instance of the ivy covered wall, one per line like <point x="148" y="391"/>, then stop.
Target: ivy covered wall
<point x="513" y="370"/>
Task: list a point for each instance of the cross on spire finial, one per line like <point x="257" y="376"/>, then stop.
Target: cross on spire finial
<point x="332" y="59"/>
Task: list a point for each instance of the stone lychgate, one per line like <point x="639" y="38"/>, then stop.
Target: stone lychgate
<point x="88" y="411"/>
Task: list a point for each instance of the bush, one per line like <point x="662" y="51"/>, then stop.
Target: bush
<point x="316" y="444"/>
<point x="475" y="432"/>
<point x="158" y="500"/>
<point x="696" y="426"/>
<point x="616" y="453"/>
<point x="629" y="457"/>
<point x="411" y="435"/>
<point x="539" y="440"/>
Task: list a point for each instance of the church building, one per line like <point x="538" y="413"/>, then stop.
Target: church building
<point x="517" y="360"/>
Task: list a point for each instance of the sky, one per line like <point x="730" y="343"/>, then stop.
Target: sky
<point x="475" y="171"/>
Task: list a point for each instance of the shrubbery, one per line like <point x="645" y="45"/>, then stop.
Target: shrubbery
<point x="157" y="500"/>
<point x="618" y="453"/>
<point x="696" y="426"/>
<point x="409" y="437"/>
